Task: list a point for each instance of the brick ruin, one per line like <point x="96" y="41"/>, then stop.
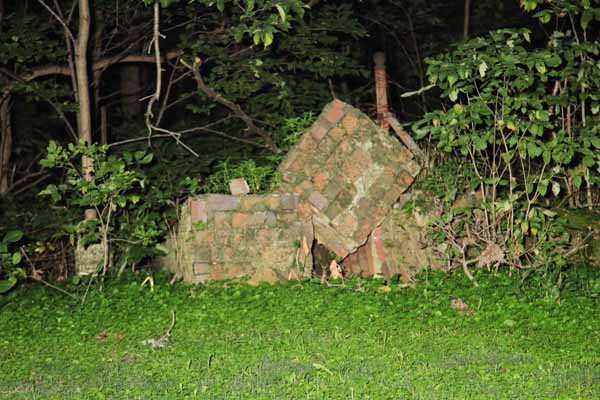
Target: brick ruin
<point x="339" y="184"/>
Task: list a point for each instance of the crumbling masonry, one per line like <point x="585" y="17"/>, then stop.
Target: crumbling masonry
<point x="339" y="185"/>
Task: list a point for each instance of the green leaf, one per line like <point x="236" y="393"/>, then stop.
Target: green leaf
<point x="453" y="95"/>
<point x="13" y="236"/>
<point x="452" y="79"/>
<point x="555" y="188"/>
<point x="596" y="142"/>
<point x="16" y="258"/>
<point x="281" y="12"/>
<point x="221" y="5"/>
<point x="483" y="67"/>
<point x="586" y="17"/>
<point x="7" y="284"/>
<point x="540" y="67"/>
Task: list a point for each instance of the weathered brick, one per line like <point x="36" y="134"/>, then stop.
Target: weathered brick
<point x="318" y="200"/>
<point x="319" y="131"/>
<point x="271" y="219"/>
<point x="412" y="167"/>
<point x="350" y="122"/>
<point x="336" y="112"/>
<point x="204" y="238"/>
<point x="347" y="224"/>
<point x="337" y="134"/>
<point x="272" y="202"/>
<point x="199" y="211"/>
<point x="221" y="220"/>
<point x="239" y="187"/>
<point x="333" y="189"/>
<point x="217" y="272"/>
<point x="201" y="268"/>
<point x="228" y="254"/>
<point x="352" y="170"/>
<point x="333" y="210"/>
<point x="202" y="253"/>
<point x="405" y="179"/>
<point x="258" y="218"/>
<point x="240" y="220"/>
<point x="320" y="179"/>
<point x="288" y="201"/>
<point x="221" y="202"/>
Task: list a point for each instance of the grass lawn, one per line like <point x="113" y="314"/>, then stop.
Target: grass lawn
<point x="304" y="341"/>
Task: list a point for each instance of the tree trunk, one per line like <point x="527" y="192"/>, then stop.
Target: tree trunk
<point x="5" y="146"/>
<point x="131" y="88"/>
<point x="84" y="116"/>
<point x="467" y="18"/>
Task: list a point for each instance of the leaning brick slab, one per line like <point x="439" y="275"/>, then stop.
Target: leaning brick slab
<point x="350" y="173"/>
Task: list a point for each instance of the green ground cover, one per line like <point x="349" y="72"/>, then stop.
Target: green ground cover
<point x="304" y="341"/>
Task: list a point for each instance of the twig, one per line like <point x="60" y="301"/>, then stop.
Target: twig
<point x="40" y="279"/>
<point x="235" y="108"/>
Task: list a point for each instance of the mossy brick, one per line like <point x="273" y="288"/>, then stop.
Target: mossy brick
<point x="333" y="189"/>
<point x="345" y="148"/>
<point x="216" y="254"/>
<point x="286" y="218"/>
<point x="202" y="253"/>
<point x="405" y="179"/>
<point x="272" y="202"/>
<point x="362" y="159"/>
<point x="320" y="180"/>
<point x="288" y="176"/>
<point x="198" y="210"/>
<point x="222" y="220"/>
<point x="228" y="254"/>
<point x="303" y="188"/>
<point x="327" y="147"/>
<point x="337" y="134"/>
<point x="346" y="196"/>
<point x="333" y="210"/>
<point x="236" y="239"/>
<point x="204" y="238"/>
<point x="304" y="211"/>
<point x="271" y="219"/>
<point x="201" y="268"/>
<point x="306" y="145"/>
<point x="221" y="237"/>
<point x="350" y="122"/>
<point x="288" y="201"/>
<point x="352" y="170"/>
<point x="318" y="200"/>
<point x="217" y="272"/>
<point x="220" y="202"/>
<point x="412" y="167"/>
<point x="257" y="218"/>
<point x="392" y="194"/>
<point x="346" y="224"/>
<point x="264" y="237"/>
<point x="253" y="203"/>
<point x="240" y="219"/>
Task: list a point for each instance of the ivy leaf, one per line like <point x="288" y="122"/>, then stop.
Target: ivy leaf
<point x="452" y="79"/>
<point x="13" y="236"/>
<point x="483" y="67"/>
<point x="281" y="12"/>
<point x="596" y="142"/>
<point x="540" y="67"/>
<point x="16" y="258"/>
<point x="555" y="188"/>
<point x="586" y="17"/>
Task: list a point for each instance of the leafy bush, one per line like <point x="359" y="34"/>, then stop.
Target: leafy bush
<point x="525" y="119"/>
<point x="129" y="218"/>
<point x="10" y="260"/>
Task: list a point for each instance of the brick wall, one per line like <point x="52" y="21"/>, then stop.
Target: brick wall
<point x="258" y="236"/>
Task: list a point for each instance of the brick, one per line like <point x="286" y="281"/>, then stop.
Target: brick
<point x="405" y="179"/>
<point x="350" y="123"/>
<point x="271" y="219"/>
<point x="337" y="134"/>
<point x="239" y="187"/>
<point x="258" y="218"/>
<point x="221" y="202"/>
<point x="288" y="201"/>
<point x="333" y="189"/>
<point x="347" y="224"/>
<point x="333" y="210"/>
<point x="252" y="203"/>
<point x="201" y="268"/>
<point x="204" y="238"/>
<point x="306" y="145"/>
<point x="217" y="272"/>
<point x="202" y="253"/>
<point x="264" y="237"/>
<point x="228" y="254"/>
<point x="352" y="170"/>
<point x="272" y="202"/>
<point x="412" y="167"/>
<point x="362" y="159"/>
<point x="240" y="220"/>
<point x="319" y="131"/>
<point x="346" y="196"/>
<point x="320" y="179"/>
<point x="318" y="200"/>
<point x="199" y="211"/>
<point x="221" y="220"/>
<point x="336" y="112"/>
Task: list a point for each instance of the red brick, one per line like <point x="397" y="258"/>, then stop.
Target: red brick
<point x="336" y="112"/>
<point x="352" y="170"/>
<point x="288" y="201"/>
<point x="377" y="238"/>
<point x="199" y="211"/>
<point x="362" y="159"/>
<point x="405" y="179"/>
<point x="258" y="218"/>
<point x="347" y="225"/>
<point x="239" y="220"/>
<point x="239" y="187"/>
<point x="201" y="268"/>
<point x="221" y="221"/>
<point x="320" y="180"/>
<point x="228" y="254"/>
<point x="320" y="131"/>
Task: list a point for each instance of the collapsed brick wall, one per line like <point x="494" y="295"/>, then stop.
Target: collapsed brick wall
<point x="350" y="173"/>
<point x="259" y="236"/>
<point x="339" y="184"/>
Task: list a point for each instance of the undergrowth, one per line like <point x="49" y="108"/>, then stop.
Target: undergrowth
<point x="304" y="340"/>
